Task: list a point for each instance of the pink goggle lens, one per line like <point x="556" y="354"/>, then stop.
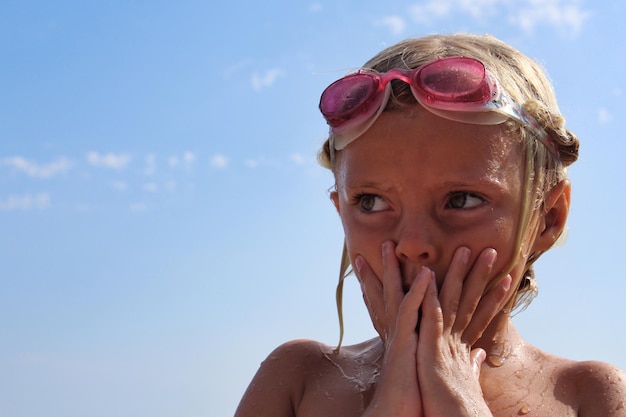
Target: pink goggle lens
<point x="462" y="81"/>
<point x="350" y="97"/>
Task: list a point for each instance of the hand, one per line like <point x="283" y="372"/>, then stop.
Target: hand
<point x="453" y="320"/>
<point x="395" y="317"/>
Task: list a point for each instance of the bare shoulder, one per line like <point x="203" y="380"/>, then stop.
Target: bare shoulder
<point x="279" y="383"/>
<point x="565" y="387"/>
<point x="297" y="378"/>
<point x="301" y="352"/>
<point x="600" y="388"/>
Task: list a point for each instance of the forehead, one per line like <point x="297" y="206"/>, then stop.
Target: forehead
<point x="418" y="147"/>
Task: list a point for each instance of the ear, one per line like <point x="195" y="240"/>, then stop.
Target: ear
<point x="551" y="222"/>
<point x="334" y="197"/>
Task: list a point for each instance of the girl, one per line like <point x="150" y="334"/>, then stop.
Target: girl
<point x="449" y="156"/>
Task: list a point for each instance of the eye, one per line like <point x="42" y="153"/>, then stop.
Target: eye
<point x="371" y="203"/>
<point x="462" y="200"/>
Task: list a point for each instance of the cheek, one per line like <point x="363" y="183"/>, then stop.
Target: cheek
<point x="369" y="249"/>
<point x="366" y="243"/>
<point x="503" y="240"/>
<point x="511" y="260"/>
<point x="498" y="234"/>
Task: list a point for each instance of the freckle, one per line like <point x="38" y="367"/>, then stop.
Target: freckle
<point x="524" y="410"/>
<point x="620" y="406"/>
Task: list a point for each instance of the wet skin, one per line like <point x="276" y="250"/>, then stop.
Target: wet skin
<point x="421" y="197"/>
<point x="429" y="192"/>
<point x="429" y="208"/>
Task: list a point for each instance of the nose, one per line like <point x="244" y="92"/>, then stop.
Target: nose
<point x="415" y="241"/>
<point x="415" y="246"/>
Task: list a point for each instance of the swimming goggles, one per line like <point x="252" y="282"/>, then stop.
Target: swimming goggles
<point x="455" y="88"/>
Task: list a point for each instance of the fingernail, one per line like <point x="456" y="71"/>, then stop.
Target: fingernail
<point x="426" y="271"/>
<point x="506" y="282"/>
<point x="491" y="257"/>
<point x="481" y="356"/>
<point x="358" y="262"/>
<point x="465" y="254"/>
<point x="387" y="250"/>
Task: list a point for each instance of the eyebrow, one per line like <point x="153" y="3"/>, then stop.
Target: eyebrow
<point x="369" y="184"/>
<point x="490" y="181"/>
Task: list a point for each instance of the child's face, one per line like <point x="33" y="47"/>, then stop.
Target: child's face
<point x="431" y="186"/>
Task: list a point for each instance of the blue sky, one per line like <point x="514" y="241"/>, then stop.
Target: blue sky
<point x="164" y="224"/>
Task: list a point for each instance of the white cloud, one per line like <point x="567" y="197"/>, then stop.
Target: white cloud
<point x="150" y="168"/>
<point x="170" y="185"/>
<point x="236" y="68"/>
<point x="119" y="185"/>
<point x="34" y="170"/>
<point x="173" y="161"/>
<point x="315" y="7"/>
<point x="395" y="24"/>
<point x="219" y="161"/>
<point x="186" y="160"/>
<point x="138" y="207"/>
<point x="109" y="160"/>
<point x="566" y="16"/>
<point x="563" y="14"/>
<point x="151" y="187"/>
<point x="425" y="12"/>
<point x="259" y="82"/>
<point x="298" y="159"/>
<point x="479" y="9"/>
<point x="252" y="163"/>
<point x="604" y="116"/>
<point x="25" y="202"/>
<point x="189" y="158"/>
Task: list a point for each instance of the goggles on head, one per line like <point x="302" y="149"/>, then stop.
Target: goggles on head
<point x="455" y="88"/>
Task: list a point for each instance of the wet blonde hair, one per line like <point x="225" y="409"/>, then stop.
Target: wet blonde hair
<point x="525" y="81"/>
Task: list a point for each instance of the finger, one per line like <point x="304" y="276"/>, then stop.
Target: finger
<point x="431" y="326"/>
<point x="409" y="310"/>
<point x="477" y="356"/>
<point x="474" y="288"/>
<point x="452" y="286"/>
<point x="399" y="380"/>
<point x="392" y="281"/>
<point x="372" y="290"/>
<point x="490" y="305"/>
